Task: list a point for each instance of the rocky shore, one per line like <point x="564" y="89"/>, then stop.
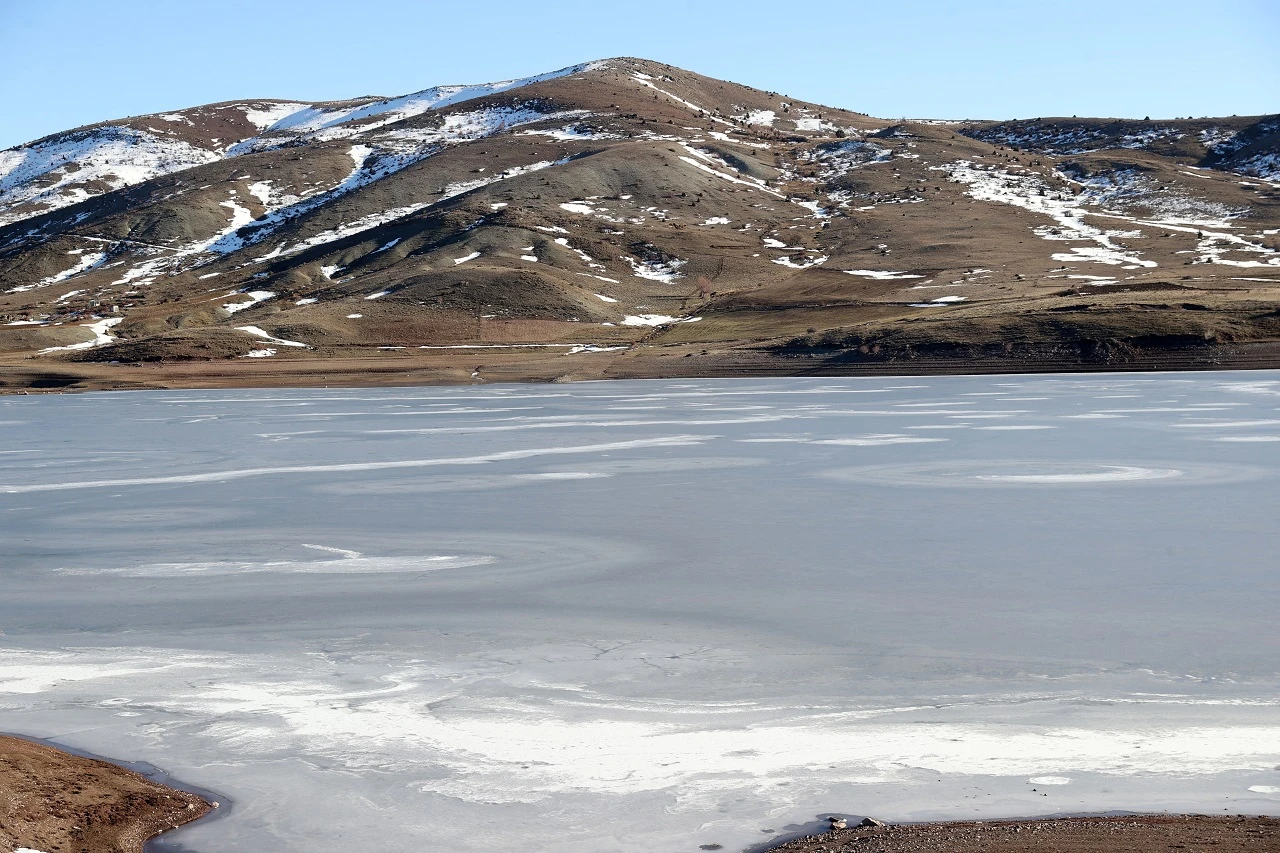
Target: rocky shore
<point x="1111" y="834"/>
<point x="57" y="802"/>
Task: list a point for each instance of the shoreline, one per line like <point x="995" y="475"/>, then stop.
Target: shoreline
<point x="1109" y="832"/>
<point x="52" y="794"/>
<point x="1116" y="831"/>
<point x="415" y="369"/>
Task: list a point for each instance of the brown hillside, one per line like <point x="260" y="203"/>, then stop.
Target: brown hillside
<point x="631" y="218"/>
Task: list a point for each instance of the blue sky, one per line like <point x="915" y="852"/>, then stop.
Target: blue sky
<point x="65" y="63"/>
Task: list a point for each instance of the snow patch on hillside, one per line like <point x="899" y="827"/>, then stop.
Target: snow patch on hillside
<point x="664" y="271"/>
<point x="764" y="118"/>
<point x="88" y="261"/>
<point x="705" y="161"/>
<point x="586" y="259"/>
<point x="101" y="337"/>
<point x="1075" y="139"/>
<point x="75" y="167"/>
<point x="802" y="264"/>
<point x="1029" y="192"/>
<point x="656" y="320"/>
<point x="572" y="133"/>
<point x="881" y="275"/>
<point x="255" y="296"/>
<point x="1121" y="187"/>
<point x="835" y="161"/>
<point x="267" y="336"/>
<point x="264" y="115"/>
<point x="53" y="174"/>
<point x="320" y="124"/>
<point x="1261" y="166"/>
<point x="373" y="164"/>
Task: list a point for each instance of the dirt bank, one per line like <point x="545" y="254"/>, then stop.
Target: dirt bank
<point x="57" y="802"/>
<point x="1125" y="834"/>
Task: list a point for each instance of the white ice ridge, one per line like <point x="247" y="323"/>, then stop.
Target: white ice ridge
<point x="1110" y="474"/>
<point x="560" y="738"/>
<point x="346" y="565"/>
<point x="242" y="473"/>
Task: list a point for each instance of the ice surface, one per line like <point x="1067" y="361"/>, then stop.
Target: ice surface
<point x="686" y="611"/>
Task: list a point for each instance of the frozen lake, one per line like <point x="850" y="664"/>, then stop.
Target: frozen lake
<point x="648" y="616"/>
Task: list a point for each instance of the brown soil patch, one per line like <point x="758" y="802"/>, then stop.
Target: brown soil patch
<point x="61" y="803"/>
<point x="1128" y="834"/>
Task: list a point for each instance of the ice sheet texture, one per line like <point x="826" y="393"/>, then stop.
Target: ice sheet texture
<point x="647" y="616"/>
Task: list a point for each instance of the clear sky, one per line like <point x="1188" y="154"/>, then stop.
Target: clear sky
<point x="65" y="63"/>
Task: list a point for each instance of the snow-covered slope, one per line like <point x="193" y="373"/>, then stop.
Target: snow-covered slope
<point x="69" y="168"/>
<point x="317" y="123"/>
<point x="64" y="170"/>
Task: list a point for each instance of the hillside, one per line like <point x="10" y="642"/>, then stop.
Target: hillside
<point x="627" y="218"/>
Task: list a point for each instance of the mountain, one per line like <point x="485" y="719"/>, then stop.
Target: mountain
<point x="628" y="218"/>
